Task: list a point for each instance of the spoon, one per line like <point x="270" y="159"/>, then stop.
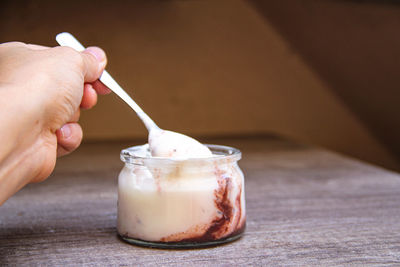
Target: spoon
<point x="162" y="143"/>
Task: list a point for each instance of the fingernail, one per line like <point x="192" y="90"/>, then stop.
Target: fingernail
<point x="97" y="53"/>
<point x="66" y="131"/>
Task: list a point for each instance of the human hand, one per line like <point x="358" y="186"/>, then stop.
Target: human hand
<point x="41" y="92"/>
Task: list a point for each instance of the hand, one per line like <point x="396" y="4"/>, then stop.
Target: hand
<point x="41" y="92"/>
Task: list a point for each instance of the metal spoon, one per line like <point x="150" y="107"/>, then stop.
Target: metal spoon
<point x="67" y="39"/>
<point x="162" y="143"/>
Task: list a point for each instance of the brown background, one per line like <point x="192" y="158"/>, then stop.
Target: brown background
<point x="321" y="72"/>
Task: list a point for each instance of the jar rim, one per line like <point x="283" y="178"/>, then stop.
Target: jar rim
<point x="136" y="155"/>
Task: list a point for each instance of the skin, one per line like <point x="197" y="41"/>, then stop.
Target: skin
<point x="42" y="91"/>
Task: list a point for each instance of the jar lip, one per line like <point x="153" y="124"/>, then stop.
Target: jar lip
<point x="139" y="154"/>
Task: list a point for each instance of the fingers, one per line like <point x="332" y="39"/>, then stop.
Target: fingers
<point x="36" y="47"/>
<point x="90" y="92"/>
<point x="69" y="138"/>
<point x="70" y="135"/>
<point x="95" y="61"/>
<point x="100" y="88"/>
<point x="75" y="117"/>
<point x="21" y="44"/>
<point x="89" y="98"/>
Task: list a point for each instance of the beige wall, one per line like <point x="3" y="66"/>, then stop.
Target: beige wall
<point x="204" y="68"/>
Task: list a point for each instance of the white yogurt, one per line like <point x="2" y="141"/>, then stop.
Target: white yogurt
<point x="175" y="200"/>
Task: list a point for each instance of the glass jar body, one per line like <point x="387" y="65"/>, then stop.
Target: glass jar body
<point x="181" y="203"/>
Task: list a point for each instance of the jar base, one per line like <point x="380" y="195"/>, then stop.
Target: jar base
<point x="180" y="245"/>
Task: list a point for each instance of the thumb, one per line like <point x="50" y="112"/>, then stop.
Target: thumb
<point x="95" y="61"/>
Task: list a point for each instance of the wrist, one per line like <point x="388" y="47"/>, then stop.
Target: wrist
<point x="20" y="132"/>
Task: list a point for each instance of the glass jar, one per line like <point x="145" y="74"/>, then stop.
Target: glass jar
<point x="181" y="203"/>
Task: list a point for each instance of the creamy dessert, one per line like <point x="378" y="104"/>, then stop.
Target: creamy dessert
<point x="163" y="143"/>
<point x="180" y="196"/>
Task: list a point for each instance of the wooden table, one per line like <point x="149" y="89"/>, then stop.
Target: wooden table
<point x="306" y="206"/>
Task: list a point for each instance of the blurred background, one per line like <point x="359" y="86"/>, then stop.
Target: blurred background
<point x="319" y="72"/>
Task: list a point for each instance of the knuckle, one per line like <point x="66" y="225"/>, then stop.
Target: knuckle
<point x="11" y="45"/>
<point x="14" y="43"/>
<point x="71" y="55"/>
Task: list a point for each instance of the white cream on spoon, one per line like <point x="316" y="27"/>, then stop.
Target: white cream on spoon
<point x="162" y="143"/>
<point x="169" y="144"/>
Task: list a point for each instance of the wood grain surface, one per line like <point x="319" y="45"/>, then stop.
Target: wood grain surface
<point x="305" y="206"/>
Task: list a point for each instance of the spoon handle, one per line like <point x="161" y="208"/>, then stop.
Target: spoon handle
<point x="67" y="39"/>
